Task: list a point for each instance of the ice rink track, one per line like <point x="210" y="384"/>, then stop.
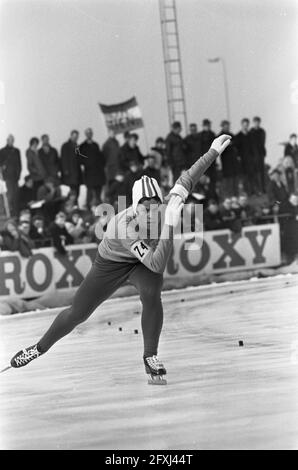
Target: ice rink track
<point x="90" y="390"/>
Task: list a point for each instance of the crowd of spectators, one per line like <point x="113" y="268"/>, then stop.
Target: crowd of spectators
<point x="239" y="189"/>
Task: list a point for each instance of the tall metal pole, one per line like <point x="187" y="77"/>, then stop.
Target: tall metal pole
<point x="172" y="62"/>
<point x="225" y="78"/>
<point x="226" y="87"/>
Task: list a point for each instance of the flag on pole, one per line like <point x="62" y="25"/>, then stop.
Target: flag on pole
<point x="122" y="117"/>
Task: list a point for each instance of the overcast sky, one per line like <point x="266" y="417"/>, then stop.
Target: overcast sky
<point x="58" y="59"/>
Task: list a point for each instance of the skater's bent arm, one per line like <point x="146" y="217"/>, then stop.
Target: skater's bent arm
<point x="155" y="260"/>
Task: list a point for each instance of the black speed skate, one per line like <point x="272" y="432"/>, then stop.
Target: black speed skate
<point x="155" y="370"/>
<point x="22" y="358"/>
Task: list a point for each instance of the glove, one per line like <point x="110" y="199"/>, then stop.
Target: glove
<point x="173" y="211"/>
<point x="220" y="143"/>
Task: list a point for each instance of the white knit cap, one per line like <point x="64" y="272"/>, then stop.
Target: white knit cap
<point x="145" y="187"/>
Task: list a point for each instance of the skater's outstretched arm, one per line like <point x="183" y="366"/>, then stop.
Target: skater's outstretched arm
<point x="187" y="181"/>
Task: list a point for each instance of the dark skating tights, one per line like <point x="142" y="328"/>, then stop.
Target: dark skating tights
<point x="103" y="279"/>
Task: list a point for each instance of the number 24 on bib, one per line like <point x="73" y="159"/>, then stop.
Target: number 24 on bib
<point x="140" y="249"/>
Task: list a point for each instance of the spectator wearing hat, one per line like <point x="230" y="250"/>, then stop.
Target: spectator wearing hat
<point x="59" y="234"/>
<point x="111" y="154"/>
<point x="206" y="138"/>
<point x="193" y="145"/>
<point x="243" y="144"/>
<point x="231" y="166"/>
<point x="26" y="193"/>
<point x="175" y="150"/>
<point x="10" y="169"/>
<point x="258" y="139"/>
<point x="71" y="163"/>
<point x="39" y="233"/>
<point x="94" y="167"/>
<point x="49" y="158"/>
<point x="130" y="153"/>
<point x="35" y="165"/>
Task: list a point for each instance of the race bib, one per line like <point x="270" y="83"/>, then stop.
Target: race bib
<point x="140" y="249"/>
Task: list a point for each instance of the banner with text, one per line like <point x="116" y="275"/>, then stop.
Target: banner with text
<point x="221" y="251"/>
<point x="122" y="117"/>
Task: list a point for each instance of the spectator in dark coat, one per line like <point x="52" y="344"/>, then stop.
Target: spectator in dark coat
<point x="134" y="173"/>
<point x="206" y="137"/>
<point x="49" y="158"/>
<point x="277" y="192"/>
<point x="175" y="150"/>
<point x="245" y="152"/>
<point x="289" y="228"/>
<point x="247" y="212"/>
<point x="212" y="217"/>
<point x="35" y="165"/>
<point x="204" y="188"/>
<point x="152" y="169"/>
<point x="59" y="234"/>
<point x="10" y="236"/>
<point x="193" y="145"/>
<point x="76" y="227"/>
<point x="17" y="239"/>
<point x="71" y="163"/>
<point x="159" y="150"/>
<point x="117" y="188"/>
<point x="130" y="153"/>
<point x="258" y="139"/>
<point x="229" y="216"/>
<point x="111" y="154"/>
<point x="50" y="193"/>
<point x="94" y="168"/>
<point x="231" y="166"/>
<point x="291" y="149"/>
<point x="39" y="234"/>
<point x="26" y="193"/>
<point x="289" y="173"/>
<point x="10" y="165"/>
<point x="26" y="243"/>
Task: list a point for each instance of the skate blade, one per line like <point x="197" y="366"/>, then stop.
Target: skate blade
<point x="156" y="380"/>
<point x="5" y="369"/>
